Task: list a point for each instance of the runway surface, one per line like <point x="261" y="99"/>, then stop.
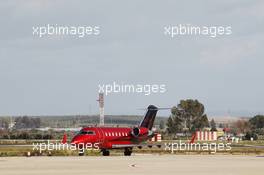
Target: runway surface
<point x="136" y="165"/>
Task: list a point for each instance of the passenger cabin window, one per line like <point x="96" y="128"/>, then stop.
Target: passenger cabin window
<point x="87" y="133"/>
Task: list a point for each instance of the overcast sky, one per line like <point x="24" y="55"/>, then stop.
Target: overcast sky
<point x="60" y="75"/>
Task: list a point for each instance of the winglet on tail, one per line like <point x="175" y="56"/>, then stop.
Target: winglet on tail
<point x="64" y="139"/>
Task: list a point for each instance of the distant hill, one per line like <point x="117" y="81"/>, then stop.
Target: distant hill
<point x="86" y="120"/>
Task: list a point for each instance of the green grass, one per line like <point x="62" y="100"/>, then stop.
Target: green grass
<point x="240" y="148"/>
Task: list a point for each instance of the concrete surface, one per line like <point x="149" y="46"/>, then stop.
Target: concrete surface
<point x="136" y="165"/>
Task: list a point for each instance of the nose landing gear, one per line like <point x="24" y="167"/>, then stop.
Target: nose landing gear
<point x="105" y="152"/>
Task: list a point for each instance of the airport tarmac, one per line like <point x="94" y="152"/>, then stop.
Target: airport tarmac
<point x="136" y="165"/>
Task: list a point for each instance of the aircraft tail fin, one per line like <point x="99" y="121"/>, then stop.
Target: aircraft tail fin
<point x="149" y="117"/>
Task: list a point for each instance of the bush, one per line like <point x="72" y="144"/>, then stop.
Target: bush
<point x="250" y="135"/>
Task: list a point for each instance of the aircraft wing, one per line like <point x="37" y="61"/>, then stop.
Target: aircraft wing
<point x="125" y="146"/>
<point x="135" y="145"/>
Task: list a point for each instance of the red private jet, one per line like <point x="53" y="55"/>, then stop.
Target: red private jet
<point x="106" y="138"/>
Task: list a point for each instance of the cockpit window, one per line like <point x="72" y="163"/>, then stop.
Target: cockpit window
<point x="86" y="133"/>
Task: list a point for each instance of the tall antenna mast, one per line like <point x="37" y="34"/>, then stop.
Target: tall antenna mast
<point x="101" y="108"/>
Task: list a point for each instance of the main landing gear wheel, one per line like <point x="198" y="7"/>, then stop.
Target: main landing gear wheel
<point x="106" y="152"/>
<point x="128" y="151"/>
<point x="81" y="154"/>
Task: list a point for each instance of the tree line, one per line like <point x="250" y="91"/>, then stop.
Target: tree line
<point x="189" y="116"/>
